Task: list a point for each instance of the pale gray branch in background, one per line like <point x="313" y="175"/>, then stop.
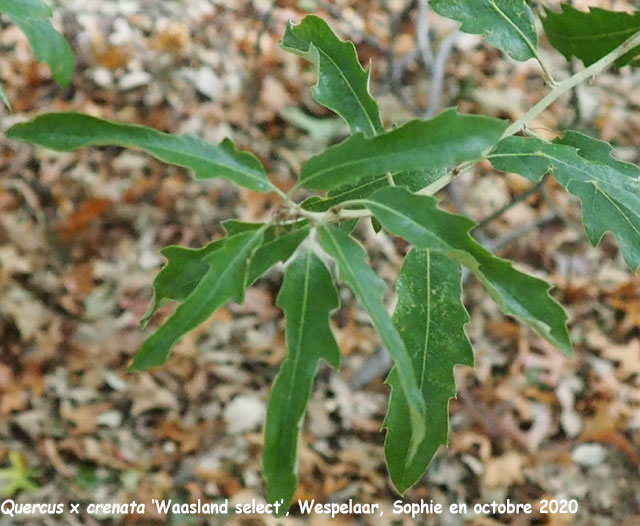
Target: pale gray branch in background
<point x="424" y="39"/>
<point x="438" y="73"/>
<point x="435" y="64"/>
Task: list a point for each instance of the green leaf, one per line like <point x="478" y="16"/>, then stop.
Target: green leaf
<point x="70" y="131"/>
<point x="591" y="35"/>
<point x="370" y="290"/>
<point x="279" y="244"/>
<point x="443" y="141"/>
<point x="343" y="85"/>
<point x="48" y="46"/>
<point x="184" y="269"/>
<point x="226" y="279"/>
<point x="413" y="180"/>
<point x="25" y="8"/>
<point x="418" y="220"/>
<point x="430" y="317"/>
<point x="608" y="189"/>
<point x="186" y="266"/>
<point x="507" y="24"/>
<point x="307" y="297"/>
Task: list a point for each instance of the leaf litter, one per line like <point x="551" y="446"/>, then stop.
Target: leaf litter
<point x="79" y="235"/>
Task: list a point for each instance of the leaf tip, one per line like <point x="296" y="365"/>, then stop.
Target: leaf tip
<point x="15" y="131"/>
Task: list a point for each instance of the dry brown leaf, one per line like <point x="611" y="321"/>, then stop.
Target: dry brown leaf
<point x="504" y="471"/>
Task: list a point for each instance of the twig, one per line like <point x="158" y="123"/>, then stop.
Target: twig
<point x="394" y="26"/>
<point x="342" y="212"/>
<point x="568" y="84"/>
<point x="424" y="39"/>
<point x="29" y="195"/>
<point x="559" y="90"/>
<point x="254" y="87"/>
<point x="521" y="197"/>
<point x="438" y="73"/>
<point x="515" y="233"/>
<point x="562" y="215"/>
<point x="403" y="62"/>
<point x="402" y="14"/>
<point x="574" y="101"/>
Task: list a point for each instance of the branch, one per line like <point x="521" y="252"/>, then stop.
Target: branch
<point x="521" y="197"/>
<point x="572" y="82"/>
<point x="534" y="51"/>
<point x="438" y="72"/>
<point x="559" y="90"/>
<point x="394" y="27"/>
<point x="519" y="231"/>
<point x="424" y="40"/>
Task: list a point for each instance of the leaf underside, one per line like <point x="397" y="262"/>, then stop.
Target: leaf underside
<point x="608" y="189"/>
<point x="307" y="298"/>
<point x="590" y="35"/>
<point x="430" y="318"/>
<point x="184" y="269"/>
<point x="69" y="131"/>
<point x="507" y="24"/>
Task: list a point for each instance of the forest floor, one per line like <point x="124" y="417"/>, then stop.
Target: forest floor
<point x="79" y="241"/>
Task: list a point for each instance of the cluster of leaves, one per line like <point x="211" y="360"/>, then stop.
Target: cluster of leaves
<point x="32" y="17"/>
<point x="387" y="175"/>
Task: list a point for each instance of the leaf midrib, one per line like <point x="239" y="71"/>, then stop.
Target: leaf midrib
<point x="427" y="332"/>
<point x="615" y="205"/>
<point x="424" y="353"/>
<point x="512" y="24"/>
<point x="337" y="167"/>
<point x="374" y="131"/>
<point x="355" y="283"/>
<point x="244" y="253"/>
<point x="383" y="331"/>
<point x="296" y="358"/>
